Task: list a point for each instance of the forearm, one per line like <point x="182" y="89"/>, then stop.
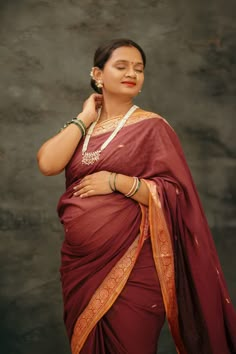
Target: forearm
<point x="55" y="153"/>
<point x="123" y="185"/>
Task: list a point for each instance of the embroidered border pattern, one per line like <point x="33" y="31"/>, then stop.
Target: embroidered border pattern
<point x="164" y="261"/>
<point x="110" y="124"/>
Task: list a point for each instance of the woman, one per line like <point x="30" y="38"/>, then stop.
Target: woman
<point x="137" y="245"/>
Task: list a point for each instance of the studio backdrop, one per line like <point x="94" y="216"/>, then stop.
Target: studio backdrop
<point x="46" y="54"/>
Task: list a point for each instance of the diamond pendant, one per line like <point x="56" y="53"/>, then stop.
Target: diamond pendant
<point x="90" y="157"/>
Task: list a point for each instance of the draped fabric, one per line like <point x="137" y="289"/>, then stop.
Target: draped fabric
<point x="115" y="249"/>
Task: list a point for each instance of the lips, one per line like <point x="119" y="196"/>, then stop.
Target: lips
<point x="131" y="83"/>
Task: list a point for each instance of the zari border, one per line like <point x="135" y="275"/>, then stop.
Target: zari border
<point x="110" y="124"/>
<point x="109" y="290"/>
<point x="164" y="262"/>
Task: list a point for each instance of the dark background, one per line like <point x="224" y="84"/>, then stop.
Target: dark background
<point x="46" y="51"/>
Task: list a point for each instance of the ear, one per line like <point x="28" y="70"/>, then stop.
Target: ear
<point x="97" y="73"/>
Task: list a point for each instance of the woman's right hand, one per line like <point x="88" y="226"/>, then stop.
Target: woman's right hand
<point x="90" y="109"/>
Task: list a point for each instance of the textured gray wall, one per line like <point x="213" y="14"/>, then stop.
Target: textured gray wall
<point x="46" y="50"/>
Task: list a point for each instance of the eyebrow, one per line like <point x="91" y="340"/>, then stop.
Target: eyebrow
<point x="126" y="61"/>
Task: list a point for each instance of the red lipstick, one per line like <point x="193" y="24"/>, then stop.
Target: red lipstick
<point x="129" y="83"/>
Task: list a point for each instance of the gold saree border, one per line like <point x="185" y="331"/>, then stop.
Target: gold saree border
<point x="106" y="294"/>
<point x="164" y="261"/>
<point x="110" y="124"/>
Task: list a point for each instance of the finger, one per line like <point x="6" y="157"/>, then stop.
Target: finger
<point x="80" y="191"/>
<point x="90" y="193"/>
<point x="98" y="100"/>
<point x="96" y="96"/>
<point x="86" y="178"/>
<point x="98" y="105"/>
<point x="78" y="187"/>
<point x="83" y="183"/>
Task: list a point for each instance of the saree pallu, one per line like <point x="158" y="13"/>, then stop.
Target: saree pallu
<point x="115" y="250"/>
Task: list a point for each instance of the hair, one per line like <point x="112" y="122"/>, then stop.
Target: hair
<point x="104" y="52"/>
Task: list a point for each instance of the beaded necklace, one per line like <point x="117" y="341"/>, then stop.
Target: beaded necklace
<point x="90" y="157"/>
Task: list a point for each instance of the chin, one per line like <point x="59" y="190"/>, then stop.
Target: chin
<point x="128" y="95"/>
<point x="129" y="92"/>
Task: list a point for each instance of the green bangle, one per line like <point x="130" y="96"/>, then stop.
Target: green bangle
<point x="80" y="125"/>
<point x="114" y="182"/>
<point x="113" y="190"/>
<point x="78" y="122"/>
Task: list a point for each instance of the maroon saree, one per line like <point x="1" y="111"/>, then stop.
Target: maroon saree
<point x="125" y="266"/>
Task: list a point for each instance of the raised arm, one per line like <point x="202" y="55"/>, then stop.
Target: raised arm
<point x="56" y="152"/>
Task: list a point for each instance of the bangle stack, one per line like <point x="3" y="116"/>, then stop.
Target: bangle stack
<point x="135" y="187"/>
<point x="113" y="188"/>
<point x="79" y="123"/>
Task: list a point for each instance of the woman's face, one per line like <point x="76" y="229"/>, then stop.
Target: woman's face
<point x="123" y="73"/>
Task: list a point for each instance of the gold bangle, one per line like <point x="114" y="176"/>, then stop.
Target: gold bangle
<point x="137" y="188"/>
<point x="133" y="188"/>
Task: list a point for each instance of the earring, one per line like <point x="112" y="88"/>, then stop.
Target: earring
<point x="99" y="84"/>
<point x="91" y="73"/>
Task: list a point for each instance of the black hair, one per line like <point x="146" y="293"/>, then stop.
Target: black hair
<point x="104" y="52"/>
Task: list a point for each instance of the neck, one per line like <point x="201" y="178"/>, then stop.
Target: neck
<point x="113" y="107"/>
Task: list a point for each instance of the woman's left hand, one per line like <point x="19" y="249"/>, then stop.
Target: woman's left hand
<point x="94" y="184"/>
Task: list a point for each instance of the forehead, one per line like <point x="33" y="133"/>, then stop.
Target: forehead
<point x="131" y="54"/>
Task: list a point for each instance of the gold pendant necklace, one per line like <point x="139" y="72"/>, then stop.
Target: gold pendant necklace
<point x="89" y="158"/>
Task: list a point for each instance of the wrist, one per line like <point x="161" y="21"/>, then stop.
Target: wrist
<point x="122" y="183"/>
<point x="127" y="185"/>
<point x="78" y="122"/>
<point x="111" y="180"/>
<point x="86" y="118"/>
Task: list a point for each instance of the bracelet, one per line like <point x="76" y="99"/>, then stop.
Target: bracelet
<point x="82" y="124"/>
<point x="114" y="182"/>
<point x="113" y="190"/>
<point x="135" y="187"/>
<point x="78" y="122"/>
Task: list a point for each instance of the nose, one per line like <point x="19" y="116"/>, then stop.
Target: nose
<point x="131" y="72"/>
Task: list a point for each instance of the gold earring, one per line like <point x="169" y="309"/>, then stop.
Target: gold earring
<point x="99" y="84"/>
<point x="91" y="73"/>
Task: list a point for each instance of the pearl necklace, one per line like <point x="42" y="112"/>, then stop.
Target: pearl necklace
<point x="90" y="157"/>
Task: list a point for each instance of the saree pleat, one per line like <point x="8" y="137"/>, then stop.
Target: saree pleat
<point x="133" y="323"/>
<point x="108" y="291"/>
